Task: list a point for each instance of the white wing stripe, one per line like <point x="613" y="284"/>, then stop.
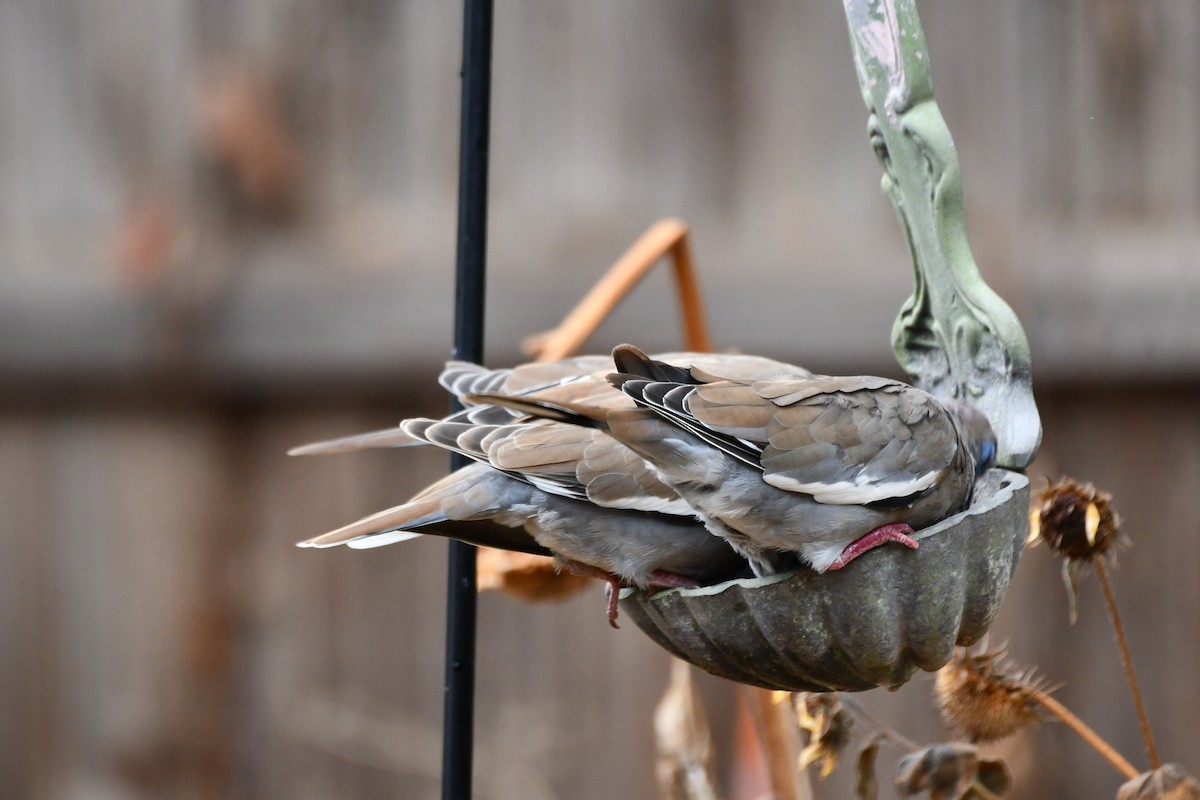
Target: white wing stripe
<point x="851" y="493"/>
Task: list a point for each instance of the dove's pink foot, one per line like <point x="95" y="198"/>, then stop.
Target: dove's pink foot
<point x="896" y="532"/>
<point x="612" y="585"/>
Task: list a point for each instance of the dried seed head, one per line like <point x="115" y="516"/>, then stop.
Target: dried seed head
<point x="828" y="726"/>
<point x="1076" y="520"/>
<point x="984" y="697"/>
<point x="1168" y="782"/>
<point x="951" y="771"/>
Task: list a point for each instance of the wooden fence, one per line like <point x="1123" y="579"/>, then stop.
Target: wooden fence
<point x="226" y="228"/>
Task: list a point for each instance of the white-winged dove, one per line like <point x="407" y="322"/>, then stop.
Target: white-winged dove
<point x="824" y="467"/>
<point x="547" y="487"/>
<point x="774" y="460"/>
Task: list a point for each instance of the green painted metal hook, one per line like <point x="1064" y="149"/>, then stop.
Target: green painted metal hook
<point x="955" y="337"/>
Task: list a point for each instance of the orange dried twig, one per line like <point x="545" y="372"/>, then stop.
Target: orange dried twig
<point x="666" y="237"/>
<point x="535" y="577"/>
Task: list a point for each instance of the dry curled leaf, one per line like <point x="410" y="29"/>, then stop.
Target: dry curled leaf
<point x="1168" y="782"/>
<point x="983" y="696"/>
<point x="945" y="771"/>
<point x="866" y="787"/>
<point x="828" y="726"/>
<point x="951" y="771"/>
<point x="525" y="576"/>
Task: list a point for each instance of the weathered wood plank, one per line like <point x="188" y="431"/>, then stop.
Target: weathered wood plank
<point x="31" y="752"/>
<point x="150" y="578"/>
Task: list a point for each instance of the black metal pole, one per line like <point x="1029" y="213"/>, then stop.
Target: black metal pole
<point x="459" y="708"/>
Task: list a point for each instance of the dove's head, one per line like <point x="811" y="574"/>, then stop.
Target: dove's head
<point x="975" y="432"/>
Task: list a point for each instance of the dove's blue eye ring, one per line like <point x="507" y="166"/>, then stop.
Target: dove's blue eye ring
<point x="987" y="453"/>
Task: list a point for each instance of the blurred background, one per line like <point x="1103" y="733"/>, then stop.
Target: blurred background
<point x="227" y="228"/>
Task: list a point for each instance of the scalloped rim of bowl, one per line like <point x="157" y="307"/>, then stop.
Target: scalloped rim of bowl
<point x="1007" y="482"/>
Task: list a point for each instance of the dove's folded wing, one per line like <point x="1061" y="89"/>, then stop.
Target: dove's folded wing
<point x="845" y="441"/>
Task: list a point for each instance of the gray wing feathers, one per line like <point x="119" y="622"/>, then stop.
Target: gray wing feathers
<point x="856" y="440"/>
<point x="462" y="378"/>
<point x="862" y="445"/>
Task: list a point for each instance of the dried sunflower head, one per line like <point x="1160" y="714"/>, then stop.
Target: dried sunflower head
<point x="828" y="726"/>
<point x="1075" y="520"/>
<point x="983" y="696"/>
<point x="1078" y="523"/>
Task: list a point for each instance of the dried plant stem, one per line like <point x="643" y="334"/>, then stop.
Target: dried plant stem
<point x="1086" y="733"/>
<point x="897" y="738"/>
<point x="778" y="744"/>
<point x="1127" y="661"/>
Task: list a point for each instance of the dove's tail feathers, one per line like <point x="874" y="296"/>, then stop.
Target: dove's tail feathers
<point x="408" y="521"/>
<point x="400" y="522"/>
<point x="460" y="506"/>
<point x="388" y="437"/>
<point x="571" y="413"/>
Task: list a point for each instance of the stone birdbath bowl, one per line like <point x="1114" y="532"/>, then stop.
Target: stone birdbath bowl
<point x="892" y="611"/>
<point x="888" y="613"/>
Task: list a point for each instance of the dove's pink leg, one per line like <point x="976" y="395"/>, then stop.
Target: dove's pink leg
<point x="669" y="580"/>
<point x="612" y="593"/>
<point x="896" y="532"/>
<point x="658" y="578"/>
<point x="612" y="584"/>
<point x="612" y="588"/>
